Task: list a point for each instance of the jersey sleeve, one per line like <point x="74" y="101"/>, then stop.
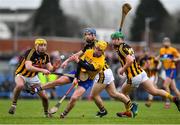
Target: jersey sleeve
<point x="29" y="55"/>
<point x="176" y="53"/>
<point x="126" y="50"/>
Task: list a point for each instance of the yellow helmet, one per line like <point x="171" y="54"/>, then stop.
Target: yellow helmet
<point x="101" y="44"/>
<point x="40" y="41"/>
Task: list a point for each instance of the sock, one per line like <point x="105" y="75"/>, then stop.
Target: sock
<point x="128" y="105"/>
<point x="46" y="112"/>
<point x="102" y="109"/>
<point x="14" y="103"/>
<point x="169" y="96"/>
<point x="65" y="113"/>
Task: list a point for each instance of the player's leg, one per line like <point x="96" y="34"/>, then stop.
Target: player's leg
<point x="150" y="97"/>
<point x="166" y="85"/>
<point x="60" y="81"/>
<point x="175" y="89"/>
<point x="95" y="91"/>
<point x="53" y="93"/>
<point x="119" y="96"/>
<point x="45" y="103"/>
<point x="126" y="89"/>
<point x="147" y="85"/>
<point x="16" y="92"/>
<point x="79" y="91"/>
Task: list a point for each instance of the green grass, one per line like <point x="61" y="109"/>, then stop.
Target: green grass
<point x="31" y="112"/>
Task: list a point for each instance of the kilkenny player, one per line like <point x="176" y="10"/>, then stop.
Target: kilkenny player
<point x="135" y="74"/>
<point x="32" y="62"/>
<point x="150" y="65"/>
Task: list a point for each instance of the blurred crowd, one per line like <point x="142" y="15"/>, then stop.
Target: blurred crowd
<point x="7" y="76"/>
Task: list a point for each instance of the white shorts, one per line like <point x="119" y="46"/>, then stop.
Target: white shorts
<point x="137" y="80"/>
<point x="30" y="80"/>
<point x="105" y="77"/>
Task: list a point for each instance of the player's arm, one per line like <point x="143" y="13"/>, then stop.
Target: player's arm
<point x="70" y="59"/>
<point x="177" y="56"/>
<point x="83" y="64"/>
<point x="128" y="54"/>
<point x="30" y="67"/>
<point x="53" y="67"/>
<point x="129" y="61"/>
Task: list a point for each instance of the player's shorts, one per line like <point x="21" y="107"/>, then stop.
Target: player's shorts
<point x="29" y="81"/>
<point x="85" y="84"/>
<point x="171" y="73"/>
<point x="105" y="77"/>
<point x="137" y="80"/>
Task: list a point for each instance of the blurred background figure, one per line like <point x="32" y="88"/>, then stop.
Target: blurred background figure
<point x="169" y="57"/>
<point x="150" y="65"/>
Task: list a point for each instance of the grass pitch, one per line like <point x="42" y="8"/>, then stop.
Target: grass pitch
<point x="31" y="112"/>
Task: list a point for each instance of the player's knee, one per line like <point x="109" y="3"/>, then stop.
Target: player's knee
<point x="165" y="86"/>
<point x="19" y="86"/>
<point x="44" y="97"/>
<point x="94" y="97"/>
<point x="113" y="94"/>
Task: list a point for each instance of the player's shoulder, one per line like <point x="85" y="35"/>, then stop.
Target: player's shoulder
<point x="46" y="54"/>
<point x="29" y="51"/>
<point x="125" y="45"/>
<point x="89" y="51"/>
<point x="173" y="48"/>
<point x="162" y="49"/>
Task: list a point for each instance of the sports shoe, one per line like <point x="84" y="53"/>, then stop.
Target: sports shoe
<point x="47" y="115"/>
<point x="62" y="115"/>
<point x="177" y="102"/>
<point x="12" y="109"/>
<point x="124" y="114"/>
<point x="134" y="109"/>
<point x="101" y="113"/>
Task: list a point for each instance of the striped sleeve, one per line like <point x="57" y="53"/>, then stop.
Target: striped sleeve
<point x="123" y="50"/>
<point x="29" y="55"/>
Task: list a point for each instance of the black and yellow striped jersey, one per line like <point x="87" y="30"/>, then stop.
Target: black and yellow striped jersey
<point x="38" y="60"/>
<point x="123" y="50"/>
<point x="152" y="63"/>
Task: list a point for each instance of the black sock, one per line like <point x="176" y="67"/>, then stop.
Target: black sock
<point x="14" y="103"/>
<point x="102" y="109"/>
<point x="65" y="112"/>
